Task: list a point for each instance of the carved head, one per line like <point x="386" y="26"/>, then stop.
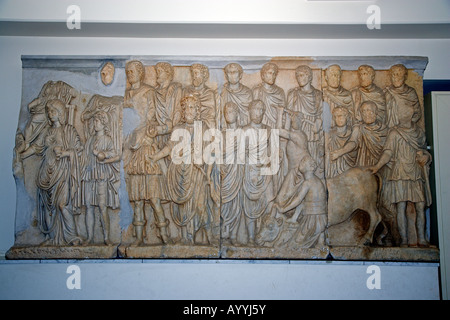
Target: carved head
<point x="333" y="76"/>
<point x="270" y="230"/>
<point x="399" y="74"/>
<point x="307" y="164"/>
<point x="56" y="111"/>
<point x="369" y="112"/>
<point x="190" y="106"/>
<point x="304" y="75"/>
<point x="233" y="73"/>
<point x="269" y="73"/>
<point x="230" y="112"/>
<point x="199" y="74"/>
<point x="101" y="121"/>
<point x="107" y="73"/>
<point x="366" y="75"/>
<point x="340" y="116"/>
<point x="164" y="72"/>
<point x="256" y="111"/>
<point x="135" y="71"/>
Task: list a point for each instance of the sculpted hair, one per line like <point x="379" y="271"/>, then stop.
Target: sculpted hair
<point x="368" y="68"/>
<point x="203" y="69"/>
<point x="139" y="67"/>
<point x="104" y="119"/>
<point x="334" y="66"/>
<point x="369" y="104"/>
<point x="230" y="106"/>
<point x="167" y="67"/>
<point x="305" y="69"/>
<point x="268" y="66"/>
<point x="235" y="65"/>
<point x="59" y="106"/>
<point x="183" y="103"/>
<point x="340" y="111"/>
<point x="401" y="67"/>
<point x="256" y="103"/>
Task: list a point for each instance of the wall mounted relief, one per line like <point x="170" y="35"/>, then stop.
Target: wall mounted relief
<point x="222" y="157"/>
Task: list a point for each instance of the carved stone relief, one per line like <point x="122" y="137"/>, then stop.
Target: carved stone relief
<point x="267" y="158"/>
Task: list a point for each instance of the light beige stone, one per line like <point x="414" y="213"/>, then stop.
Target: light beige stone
<point x="337" y="165"/>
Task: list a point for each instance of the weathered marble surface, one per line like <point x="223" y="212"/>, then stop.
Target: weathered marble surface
<point x="338" y="167"/>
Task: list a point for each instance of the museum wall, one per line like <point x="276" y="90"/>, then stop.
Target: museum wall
<point x="14" y="47"/>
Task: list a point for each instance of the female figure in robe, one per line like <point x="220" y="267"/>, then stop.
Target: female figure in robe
<point x="58" y="182"/>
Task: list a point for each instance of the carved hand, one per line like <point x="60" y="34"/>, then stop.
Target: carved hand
<point x="422" y="158"/>
<point x="373" y="169"/>
<point x="152" y="132"/>
<point x="100" y="156"/>
<point x="60" y="153"/>
<point x="334" y="155"/>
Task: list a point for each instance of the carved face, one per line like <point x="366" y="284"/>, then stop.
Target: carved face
<point x="107" y="73"/>
<point x="230" y="114"/>
<point x="368" y="113"/>
<point x="98" y="124"/>
<point x="269" y="76"/>
<point x="333" y="77"/>
<point x="398" y="77"/>
<point x="302" y="78"/>
<point x="190" y="112"/>
<point x="256" y="113"/>
<point x="161" y="75"/>
<point x="197" y="77"/>
<point x="53" y="113"/>
<point x="133" y="74"/>
<point x="365" y="77"/>
<point x="307" y="165"/>
<point x="233" y="75"/>
<point x="340" y="119"/>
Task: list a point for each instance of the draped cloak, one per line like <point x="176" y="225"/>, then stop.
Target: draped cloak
<point x="241" y="97"/>
<point x="58" y="185"/>
<point x="398" y="99"/>
<point x="167" y="106"/>
<point x="232" y="176"/>
<point x="339" y="97"/>
<point x="337" y="140"/>
<point x="272" y="97"/>
<point x="95" y="172"/>
<point x="187" y="187"/>
<point x="369" y="140"/>
<point x="207" y="98"/>
<point x="310" y="105"/>
<point x="258" y="189"/>
<point x="406" y="178"/>
<point x="374" y="94"/>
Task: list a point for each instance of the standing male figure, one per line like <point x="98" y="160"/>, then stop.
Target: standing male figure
<point x="234" y="91"/>
<point x="368" y="91"/>
<point x="307" y="100"/>
<point x="258" y="189"/>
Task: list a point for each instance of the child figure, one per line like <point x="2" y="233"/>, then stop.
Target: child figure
<point x="99" y="176"/>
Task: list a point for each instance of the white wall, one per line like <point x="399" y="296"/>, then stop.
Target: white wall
<point x="211" y="280"/>
<point x="11" y="49"/>
<point x="230" y="11"/>
<point x="19" y="281"/>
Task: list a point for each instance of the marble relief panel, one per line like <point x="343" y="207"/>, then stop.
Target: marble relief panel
<point x="284" y="158"/>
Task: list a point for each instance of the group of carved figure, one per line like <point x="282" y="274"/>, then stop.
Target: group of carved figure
<point x="373" y="133"/>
